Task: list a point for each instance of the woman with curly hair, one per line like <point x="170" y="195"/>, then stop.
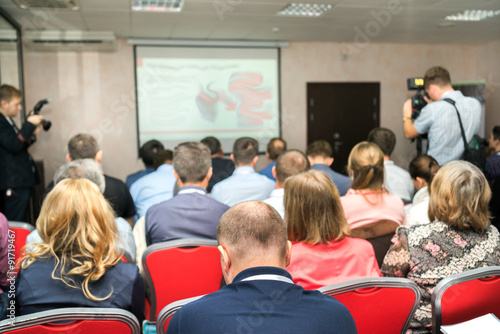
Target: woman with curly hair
<point x="77" y="264"/>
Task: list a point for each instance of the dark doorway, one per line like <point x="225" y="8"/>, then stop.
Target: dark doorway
<point x="342" y="114"/>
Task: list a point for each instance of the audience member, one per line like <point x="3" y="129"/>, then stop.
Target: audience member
<point x="147" y="153"/>
<point x="367" y="201"/>
<point x="77" y="265"/>
<point x="222" y="168"/>
<point x="493" y="162"/>
<point x="291" y="162"/>
<point x="320" y="156"/>
<point x="84" y="146"/>
<point x="190" y="214"/>
<point x="155" y="187"/>
<point x="275" y="147"/>
<point x="89" y="169"/>
<point x="397" y="181"/>
<point x="4" y="265"/>
<point x="322" y="251"/>
<point x="245" y="184"/>
<point x="495" y="202"/>
<point x="458" y="239"/>
<point x="422" y="171"/>
<point x="260" y="296"/>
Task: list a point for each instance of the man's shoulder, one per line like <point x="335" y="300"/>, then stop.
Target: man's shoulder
<point x="395" y="169"/>
<point x="113" y="181"/>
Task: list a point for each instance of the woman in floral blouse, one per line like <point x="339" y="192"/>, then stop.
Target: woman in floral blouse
<point x="458" y="238"/>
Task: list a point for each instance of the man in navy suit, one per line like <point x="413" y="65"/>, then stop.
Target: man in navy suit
<point x="260" y="296"/>
<point x="17" y="170"/>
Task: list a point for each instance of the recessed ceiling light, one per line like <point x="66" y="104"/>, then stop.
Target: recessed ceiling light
<point x="304" y="9"/>
<point x="157" y="5"/>
<point x="473" y="15"/>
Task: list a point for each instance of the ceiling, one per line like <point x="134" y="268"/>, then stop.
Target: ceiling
<point x="411" y="21"/>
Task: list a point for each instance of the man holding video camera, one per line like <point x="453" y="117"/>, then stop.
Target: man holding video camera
<point x="439" y="118"/>
<point x="17" y="170"/>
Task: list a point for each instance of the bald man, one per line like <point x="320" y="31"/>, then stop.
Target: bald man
<point x="260" y="296"/>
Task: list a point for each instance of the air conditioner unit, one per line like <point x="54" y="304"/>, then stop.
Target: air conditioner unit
<point x="70" y="40"/>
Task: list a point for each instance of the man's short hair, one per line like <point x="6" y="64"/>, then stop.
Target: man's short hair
<point x="245" y="149"/>
<point x="384" y="138"/>
<point x="460" y="196"/>
<point x="438" y="76"/>
<point x="251" y="229"/>
<point x="8" y="92"/>
<point x="149" y="150"/>
<point x="319" y="148"/>
<point x="192" y="160"/>
<point x="162" y="157"/>
<point x="275" y="147"/>
<point x="213" y="144"/>
<point x="289" y="163"/>
<point x="496" y="132"/>
<point x="82" y="169"/>
<point x="83" y="146"/>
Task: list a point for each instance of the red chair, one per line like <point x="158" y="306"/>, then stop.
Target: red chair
<point x="21" y="231"/>
<point x="74" y="320"/>
<point x="180" y="269"/>
<point x="167" y="313"/>
<point x="382" y="305"/>
<point x="466" y="296"/>
<point x="126" y="257"/>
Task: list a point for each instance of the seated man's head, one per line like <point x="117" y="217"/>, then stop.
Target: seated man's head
<point x="83" y="146"/>
<point x="252" y="234"/>
<point x="149" y="150"/>
<point x="289" y="163"/>
<point x="82" y="169"/>
<point x="384" y="138"/>
<point x="214" y="145"/>
<point x="320" y="152"/>
<point x="275" y="147"/>
<point x="245" y="152"/>
<point x="164" y="157"/>
<point x="192" y="164"/>
<point x="494" y="142"/>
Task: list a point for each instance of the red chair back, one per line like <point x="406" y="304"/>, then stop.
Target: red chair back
<point x="466" y="296"/>
<point x="181" y="269"/>
<point x="20" y="232"/>
<point x="74" y="320"/>
<point x="382" y="305"/>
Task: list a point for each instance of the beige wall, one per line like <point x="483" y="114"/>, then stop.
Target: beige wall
<point x="94" y="92"/>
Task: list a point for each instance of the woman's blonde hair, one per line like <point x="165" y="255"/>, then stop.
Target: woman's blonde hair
<point x="313" y="211"/>
<point x="78" y="230"/>
<point x="460" y="196"/>
<point x="366" y="166"/>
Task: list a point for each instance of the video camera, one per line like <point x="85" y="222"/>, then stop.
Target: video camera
<point x="36" y="111"/>
<point x="417" y="101"/>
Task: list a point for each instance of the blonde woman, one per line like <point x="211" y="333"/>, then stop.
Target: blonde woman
<point x="367" y="201"/>
<point x="458" y="239"/>
<point x="77" y="264"/>
<point x="322" y="252"/>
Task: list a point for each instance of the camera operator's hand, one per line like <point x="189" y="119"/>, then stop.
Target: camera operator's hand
<point x="38" y="129"/>
<point x="35" y="119"/>
<point x="407" y="109"/>
<point x="428" y="99"/>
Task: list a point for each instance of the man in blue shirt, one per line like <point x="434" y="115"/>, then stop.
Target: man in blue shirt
<point x="190" y="214"/>
<point x="147" y="154"/>
<point x="260" y="296"/>
<point x="275" y="147"/>
<point x="320" y="155"/>
<point x="439" y="119"/>
<point x="245" y="184"/>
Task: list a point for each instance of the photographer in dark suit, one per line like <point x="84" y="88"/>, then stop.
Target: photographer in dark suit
<point x="17" y="170"/>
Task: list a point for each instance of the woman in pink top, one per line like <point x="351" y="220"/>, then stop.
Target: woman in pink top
<point x="322" y="252"/>
<point x="367" y="201"/>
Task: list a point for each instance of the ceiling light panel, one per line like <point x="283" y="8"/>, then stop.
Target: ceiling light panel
<point x="473" y="15"/>
<point x="304" y="9"/>
<point x="173" y="6"/>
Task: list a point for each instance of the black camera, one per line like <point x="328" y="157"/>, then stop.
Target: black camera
<point x="36" y="111"/>
<point x="417" y="101"/>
